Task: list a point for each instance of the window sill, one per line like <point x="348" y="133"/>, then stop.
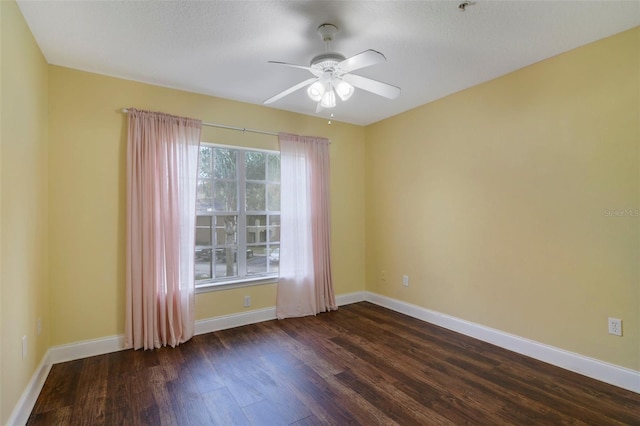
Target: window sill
<point x="227" y="285"/>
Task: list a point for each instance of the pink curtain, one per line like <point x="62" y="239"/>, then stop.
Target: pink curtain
<point x="305" y="286"/>
<point x="162" y="165"/>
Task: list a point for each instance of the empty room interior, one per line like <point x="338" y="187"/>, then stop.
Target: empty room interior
<point x="484" y="193"/>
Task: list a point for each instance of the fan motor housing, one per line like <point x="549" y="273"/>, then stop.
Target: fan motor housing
<point x="326" y="60"/>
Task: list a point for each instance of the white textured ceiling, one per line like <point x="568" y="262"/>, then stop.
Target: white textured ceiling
<point x="221" y="48"/>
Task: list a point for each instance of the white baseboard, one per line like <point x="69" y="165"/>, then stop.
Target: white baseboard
<point x="210" y="325"/>
<point x="27" y="401"/>
<point x="590" y="367"/>
<point x="349" y="298"/>
<point x="86" y="348"/>
<point x="234" y="320"/>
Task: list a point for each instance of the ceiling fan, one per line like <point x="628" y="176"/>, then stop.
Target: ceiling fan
<point x="332" y="75"/>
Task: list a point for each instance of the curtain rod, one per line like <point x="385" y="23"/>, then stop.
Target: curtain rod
<point x="222" y="126"/>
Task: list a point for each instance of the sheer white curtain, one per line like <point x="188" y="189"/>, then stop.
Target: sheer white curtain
<point x="305" y="286"/>
<point x="162" y="166"/>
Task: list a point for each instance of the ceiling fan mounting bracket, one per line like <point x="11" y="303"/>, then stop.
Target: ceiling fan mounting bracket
<point x="327" y="61"/>
<point x="327" y="31"/>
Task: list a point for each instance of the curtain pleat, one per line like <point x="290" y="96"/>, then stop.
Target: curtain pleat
<point x="162" y="162"/>
<point x="305" y="286"/>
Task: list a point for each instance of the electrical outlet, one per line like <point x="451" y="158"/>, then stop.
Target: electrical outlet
<point x="615" y="326"/>
<point x="24" y="347"/>
<point x="405" y="280"/>
<point x="383" y="275"/>
<point x="247" y="301"/>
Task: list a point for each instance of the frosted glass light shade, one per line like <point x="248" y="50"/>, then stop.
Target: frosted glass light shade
<point x="344" y="90"/>
<point x="328" y="99"/>
<point x="315" y="91"/>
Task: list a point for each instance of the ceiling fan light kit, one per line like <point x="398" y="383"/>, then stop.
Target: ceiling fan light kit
<point x="333" y="76"/>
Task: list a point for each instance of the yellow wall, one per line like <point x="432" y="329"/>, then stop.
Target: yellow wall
<point x="23" y="216"/>
<point x="494" y="201"/>
<point x="87" y="135"/>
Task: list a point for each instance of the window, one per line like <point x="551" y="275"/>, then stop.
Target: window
<point x="237" y="215"/>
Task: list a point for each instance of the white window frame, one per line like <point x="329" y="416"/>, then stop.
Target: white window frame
<point x="216" y="284"/>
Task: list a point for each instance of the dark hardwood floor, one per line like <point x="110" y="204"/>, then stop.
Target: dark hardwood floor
<point x="362" y="364"/>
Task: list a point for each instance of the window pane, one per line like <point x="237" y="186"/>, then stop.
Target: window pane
<point x="203" y="230"/>
<point x="226" y="263"/>
<point x="255" y="196"/>
<point x="274" y="228"/>
<point x="205" y="165"/>
<point x="255" y="165"/>
<point x="203" y="254"/>
<point x="203" y="265"/>
<point x="273" y="260"/>
<point x="256" y="260"/>
<point x="273" y="169"/>
<point x="204" y="196"/>
<point x="226" y="196"/>
<point x="256" y="229"/>
<point x="226" y="230"/>
<point x="273" y="190"/>
<point x="225" y="163"/>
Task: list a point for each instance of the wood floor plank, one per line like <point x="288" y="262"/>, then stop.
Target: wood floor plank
<point x="240" y="386"/>
<point x="360" y="365"/>
<point x="265" y="413"/>
<point x="395" y="405"/>
<point x="223" y="408"/>
<point x="310" y="421"/>
<point x="91" y="392"/>
<point x="186" y="401"/>
<point x="316" y="395"/>
<point x="64" y="379"/>
<point x="117" y="408"/>
<point x="162" y="403"/>
<point x="203" y="372"/>
<point x="57" y="416"/>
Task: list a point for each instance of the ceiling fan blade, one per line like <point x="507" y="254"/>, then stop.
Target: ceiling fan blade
<point x="313" y="71"/>
<point x="361" y="60"/>
<point x="289" y="90"/>
<point x="373" y="86"/>
<point x="291" y="65"/>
